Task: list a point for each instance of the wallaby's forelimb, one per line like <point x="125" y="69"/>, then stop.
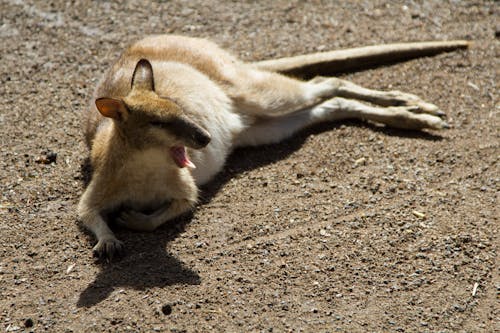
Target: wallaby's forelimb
<point x="342" y="61"/>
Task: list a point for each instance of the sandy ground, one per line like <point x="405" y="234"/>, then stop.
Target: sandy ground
<point x="294" y="237"/>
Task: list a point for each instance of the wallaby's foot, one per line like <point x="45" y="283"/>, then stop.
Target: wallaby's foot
<point x="400" y="98"/>
<point x="108" y="249"/>
<point x="135" y="220"/>
<point x="346" y="89"/>
<point x="413" y="118"/>
<point x="404" y="117"/>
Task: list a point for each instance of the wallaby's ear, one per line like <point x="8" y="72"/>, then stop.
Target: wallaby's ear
<point x="143" y="76"/>
<point x="111" y="108"/>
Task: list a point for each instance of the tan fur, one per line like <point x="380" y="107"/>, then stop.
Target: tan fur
<point x="185" y="92"/>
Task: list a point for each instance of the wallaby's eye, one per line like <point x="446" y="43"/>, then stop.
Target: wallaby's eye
<point x="155" y="123"/>
<point x="159" y="124"/>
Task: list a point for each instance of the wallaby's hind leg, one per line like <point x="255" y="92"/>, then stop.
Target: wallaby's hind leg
<point x="351" y="90"/>
<point x="269" y="94"/>
<point x="275" y="129"/>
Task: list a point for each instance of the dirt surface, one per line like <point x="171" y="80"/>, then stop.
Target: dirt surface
<point x="348" y="227"/>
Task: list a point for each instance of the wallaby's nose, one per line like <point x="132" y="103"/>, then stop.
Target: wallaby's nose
<point x="202" y="138"/>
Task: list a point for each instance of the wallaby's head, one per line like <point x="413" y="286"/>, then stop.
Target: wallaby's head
<point x="145" y="118"/>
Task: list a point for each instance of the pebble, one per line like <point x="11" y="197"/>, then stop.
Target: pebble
<point x="323" y="232"/>
<point x="48" y="157"/>
<point x="28" y="323"/>
<point x="166" y="309"/>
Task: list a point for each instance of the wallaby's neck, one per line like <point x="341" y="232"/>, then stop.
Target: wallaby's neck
<point x="111" y="148"/>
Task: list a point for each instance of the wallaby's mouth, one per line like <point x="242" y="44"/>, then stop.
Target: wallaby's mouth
<point x="180" y="157"/>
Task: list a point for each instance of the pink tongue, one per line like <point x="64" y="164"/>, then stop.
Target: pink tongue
<point x="180" y="157"/>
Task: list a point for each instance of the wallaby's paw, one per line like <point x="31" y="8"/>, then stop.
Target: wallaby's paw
<point x="405" y="99"/>
<point x="135" y="220"/>
<point x="410" y="117"/>
<point x="107" y="249"/>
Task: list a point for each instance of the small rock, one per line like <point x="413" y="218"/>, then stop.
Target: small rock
<point x="166" y="309"/>
<point x="418" y="214"/>
<point x="323" y="232"/>
<point x="48" y="157"/>
<point x="70" y="268"/>
<point x="28" y="323"/>
<point x="473" y="86"/>
<point x="360" y="161"/>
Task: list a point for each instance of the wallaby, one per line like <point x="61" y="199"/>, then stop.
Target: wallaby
<point x="167" y="114"/>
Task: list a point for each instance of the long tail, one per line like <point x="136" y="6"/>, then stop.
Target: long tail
<point x="342" y="61"/>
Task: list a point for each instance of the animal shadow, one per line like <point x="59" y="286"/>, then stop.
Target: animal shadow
<point x="145" y="264"/>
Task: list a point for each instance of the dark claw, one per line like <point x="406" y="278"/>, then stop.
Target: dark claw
<point x="109" y="250"/>
<point x="440" y="114"/>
